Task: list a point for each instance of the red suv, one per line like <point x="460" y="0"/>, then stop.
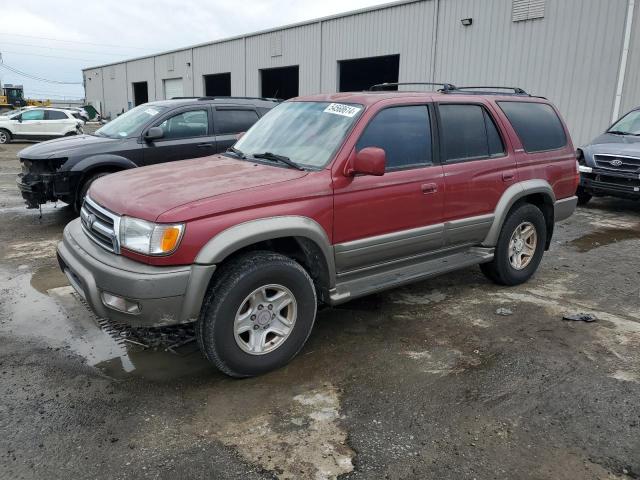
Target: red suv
<point x="325" y="199"/>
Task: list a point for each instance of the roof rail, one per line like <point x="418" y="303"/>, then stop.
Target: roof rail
<point x="484" y="90"/>
<point x="228" y="97"/>
<point x="225" y="97"/>
<point x="445" y="86"/>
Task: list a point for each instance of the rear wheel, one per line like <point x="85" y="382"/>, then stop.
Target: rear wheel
<point x="257" y="315"/>
<point x="520" y="247"/>
<point x="5" y="136"/>
<point x="583" y="196"/>
<point x="85" y="188"/>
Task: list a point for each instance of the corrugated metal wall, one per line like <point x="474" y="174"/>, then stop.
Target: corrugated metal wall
<point x="631" y="91"/>
<point x="406" y="30"/>
<point x="220" y="58"/>
<point x="571" y="56"/>
<point x="141" y="71"/>
<point x="300" y="46"/>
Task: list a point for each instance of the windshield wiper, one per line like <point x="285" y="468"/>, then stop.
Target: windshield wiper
<point x="237" y="152"/>
<point x="278" y="158"/>
<point x="618" y="132"/>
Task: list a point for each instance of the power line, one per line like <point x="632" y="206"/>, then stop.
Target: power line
<point x="35" y="77"/>
<point x="52" y="56"/>
<point x="73" y="41"/>
<point x="2" y="42"/>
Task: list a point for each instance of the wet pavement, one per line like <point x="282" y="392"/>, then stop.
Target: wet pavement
<point x="425" y="381"/>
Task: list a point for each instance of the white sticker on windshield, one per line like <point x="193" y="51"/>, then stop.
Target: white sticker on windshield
<point x="151" y="111"/>
<point x="342" y="109"/>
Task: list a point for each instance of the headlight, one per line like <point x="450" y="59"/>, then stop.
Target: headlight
<point x="149" y="238"/>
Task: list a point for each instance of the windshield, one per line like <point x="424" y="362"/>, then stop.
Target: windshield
<point x="306" y="132"/>
<point x="627" y="125"/>
<point x="130" y="123"/>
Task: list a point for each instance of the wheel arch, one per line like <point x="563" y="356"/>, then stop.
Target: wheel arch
<point x="91" y="166"/>
<point x="537" y="192"/>
<point x="300" y="238"/>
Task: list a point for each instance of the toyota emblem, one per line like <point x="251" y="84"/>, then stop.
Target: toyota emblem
<point x="616" y="163"/>
<point x="90" y="219"/>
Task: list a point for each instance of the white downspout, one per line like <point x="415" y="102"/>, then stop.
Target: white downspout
<point x="623" y="61"/>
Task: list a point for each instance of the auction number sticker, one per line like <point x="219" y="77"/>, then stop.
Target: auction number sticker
<point x="151" y="112"/>
<point x="342" y="109"/>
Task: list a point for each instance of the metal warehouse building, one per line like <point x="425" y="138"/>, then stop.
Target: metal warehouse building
<point x="584" y="55"/>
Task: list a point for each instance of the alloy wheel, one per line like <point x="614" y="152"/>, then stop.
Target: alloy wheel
<point x="522" y="246"/>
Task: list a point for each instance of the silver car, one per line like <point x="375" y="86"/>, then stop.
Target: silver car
<point x="610" y="164"/>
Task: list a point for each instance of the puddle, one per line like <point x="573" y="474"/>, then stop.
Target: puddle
<point x="48" y="278"/>
<point x="604" y="237"/>
<point x="44" y="307"/>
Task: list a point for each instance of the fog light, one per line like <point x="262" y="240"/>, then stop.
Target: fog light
<point x="120" y="303"/>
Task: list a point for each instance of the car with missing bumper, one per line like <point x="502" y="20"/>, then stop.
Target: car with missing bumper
<point x="155" y="132"/>
<point x="325" y="199"/>
<point x="610" y="164"/>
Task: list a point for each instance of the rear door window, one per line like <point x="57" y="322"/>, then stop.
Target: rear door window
<point x="404" y="133"/>
<point x="468" y="133"/>
<point x="56" y="115"/>
<point x="230" y="121"/>
<point x="536" y="124"/>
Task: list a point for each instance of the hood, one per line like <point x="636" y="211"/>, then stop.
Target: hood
<point x="65" y="146"/>
<point x="148" y="192"/>
<point x="615" y="145"/>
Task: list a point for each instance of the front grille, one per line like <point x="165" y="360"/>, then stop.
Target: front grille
<point x="617" y="163"/>
<point x="100" y="225"/>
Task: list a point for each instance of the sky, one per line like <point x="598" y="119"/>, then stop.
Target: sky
<point x="55" y="40"/>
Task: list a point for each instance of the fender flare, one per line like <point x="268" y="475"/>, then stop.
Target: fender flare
<point x="509" y="198"/>
<point x="103" y="160"/>
<point x="244" y="234"/>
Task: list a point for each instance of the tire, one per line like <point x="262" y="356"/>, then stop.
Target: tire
<point x="236" y="354"/>
<point x="5" y="136"/>
<point x="85" y="188"/>
<point x="583" y="196"/>
<point x="503" y="269"/>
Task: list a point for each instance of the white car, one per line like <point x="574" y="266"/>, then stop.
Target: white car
<point x="39" y="124"/>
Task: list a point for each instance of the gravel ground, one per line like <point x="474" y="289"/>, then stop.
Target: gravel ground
<point x="426" y="381"/>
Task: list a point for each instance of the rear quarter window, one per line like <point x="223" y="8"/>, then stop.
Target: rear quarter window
<point x="536" y="124"/>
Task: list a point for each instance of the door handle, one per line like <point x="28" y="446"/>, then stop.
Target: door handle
<point x="508" y="176"/>
<point x="205" y="145"/>
<point x="428" y="188"/>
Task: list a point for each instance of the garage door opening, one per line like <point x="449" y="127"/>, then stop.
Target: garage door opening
<point x="140" y="93"/>
<point x="361" y="74"/>
<point x="172" y="88"/>
<point x="280" y="82"/>
<point x="217" y="85"/>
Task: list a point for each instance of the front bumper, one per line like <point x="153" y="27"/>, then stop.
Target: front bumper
<point x="601" y="182"/>
<point x="164" y="295"/>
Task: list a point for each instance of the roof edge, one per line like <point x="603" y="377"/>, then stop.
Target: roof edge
<point x="382" y="6"/>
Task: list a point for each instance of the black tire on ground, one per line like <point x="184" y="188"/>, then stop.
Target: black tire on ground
<point x="583" y="197"/>
<point x="237" y="279"/>
<point x="500" y="270"/>
<point x="70" y="134"/>
<point x="85" y="188"/>
<point x="5" y="136"/>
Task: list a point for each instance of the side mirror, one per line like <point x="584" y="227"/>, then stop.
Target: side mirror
<point x="368" y="161"/>
<point x="154" y="133"/>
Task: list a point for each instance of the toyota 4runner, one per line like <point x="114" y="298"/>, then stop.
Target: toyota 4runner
<point x="325" y="199"/>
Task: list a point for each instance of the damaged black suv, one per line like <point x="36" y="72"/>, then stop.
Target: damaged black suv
<point x="155" y="132"/>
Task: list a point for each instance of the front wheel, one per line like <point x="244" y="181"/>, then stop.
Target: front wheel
<point x="520" y="247"/>
<point x="257" y="315"/>
<point x="583" y="196"/>
<point x="85" y="188"/>
<point x="5" y="136"/>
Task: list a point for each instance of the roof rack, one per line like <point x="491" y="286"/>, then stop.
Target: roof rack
<point x="484" y="90"/>
<point x="445" y="86"/>
<point x="228" y="97"/>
